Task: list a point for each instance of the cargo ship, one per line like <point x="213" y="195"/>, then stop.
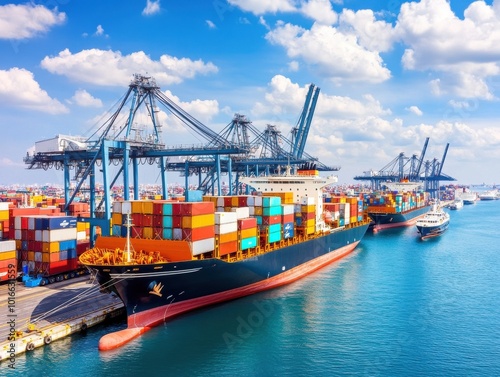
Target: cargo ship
<point x="220" y="248"/>
<point x="401" y="206"/>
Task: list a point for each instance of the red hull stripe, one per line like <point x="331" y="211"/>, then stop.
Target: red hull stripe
<point x="143" y="321"/>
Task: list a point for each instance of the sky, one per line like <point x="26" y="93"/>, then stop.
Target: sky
<point x="391" y="74"/>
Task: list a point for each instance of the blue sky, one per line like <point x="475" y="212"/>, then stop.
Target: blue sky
<point x="391" y="73"/>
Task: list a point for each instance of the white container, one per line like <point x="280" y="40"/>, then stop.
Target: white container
<point x="307" y="200"/>
<point x="56" y="235"/>
<point x="225" y="217"/>
<point x="7" y="246"/>
<point x="258" y="201"/>
<point x="82" y="235"/>
<point x="226" y="228"/>
<point x="250" y="201"/>
<point x="117" y="207"/>
<point x="4" y="206"/>
<point x="242" y="212"/>
<point x="202" y="246"/>
<point x="38" y="256"/>
<point x="18" y="234"/>
<point x="220" y="201"/>
<point x="288" y="209"/>
<point x="38" y="235"/>
<point x="126" y="207"/>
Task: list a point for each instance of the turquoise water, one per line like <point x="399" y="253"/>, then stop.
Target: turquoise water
<point x="397" y="306"/>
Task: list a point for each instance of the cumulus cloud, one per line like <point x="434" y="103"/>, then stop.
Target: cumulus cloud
<point x="19" y="88"/>
<point x="415" y="110"/>
<point x="335" y="54"/>
<point x="85" y="99"/>
<point x="27" y="21"/>
<point x="111" y="68"/>
<point x="152" y="7"/>
<point x="466" y="50"/>
<point x="259" y="7"/>
<point x="210" y="24"/>
<point x="320" y="11"/>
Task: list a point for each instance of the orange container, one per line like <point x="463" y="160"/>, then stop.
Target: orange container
<point x="196" y="234"/>
<point x="227" y="237"/>
<point x="247" y="233"/>
<point x="198" y="221"/>
<point x="228" y="247"/>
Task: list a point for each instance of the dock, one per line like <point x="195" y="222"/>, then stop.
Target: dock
<point x="34" y="317"/>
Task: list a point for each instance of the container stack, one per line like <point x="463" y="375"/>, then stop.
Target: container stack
<point x="4" y="220"/>
<point x="287" y="220"/>
<point x="308" y="214"/>
<point x="226" y="232"/>
<point x="394" y="202"/>
<point x="196" y="220"/>
<point x="47" y="244"/>
<point x="8" y="260"/>
<point x="271" y="218"/>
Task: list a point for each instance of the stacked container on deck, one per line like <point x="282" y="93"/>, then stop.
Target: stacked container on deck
<point x="395" y="202"/>
<point x="46" y="244"/>
<point x="8" y="259"/>
<point x="4" y="220"/>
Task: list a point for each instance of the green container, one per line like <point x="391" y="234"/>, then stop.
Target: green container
<point x="270" y="201"/>
<point x="274" y="237"/>
<point x="271" y="211"/>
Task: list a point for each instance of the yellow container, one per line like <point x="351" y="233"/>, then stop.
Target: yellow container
<point x="50" y="247"/>
<point x="198" y="221"/>
<point x="309" y="208"/>
<point x="310" y="223"/>
<point x="310" y="229"/>
<point x="31" y="255"/>
<point x="247" y="233"/>
<point x="116" y="219"/>
<point x="234" y="201"/>
<point x="147" y="232"/>
<point x="9" y="255"/>
<point x="258" y="211"/>
<point x="4" y="215"/>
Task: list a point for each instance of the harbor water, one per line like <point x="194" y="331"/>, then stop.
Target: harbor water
<point x="397" y="306"/>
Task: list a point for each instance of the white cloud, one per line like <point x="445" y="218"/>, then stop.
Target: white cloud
<point x="85" y="99"/>
<point x="415" y="110"/>
<point x="336" y="55"/>
<point x="99" y="31"/>
<point x="152" y="7"/>
<point x="263" y="22"/>
<point x="465" y="51"/>
<point x="110" y="68"/>
<point x="320" y="11"/>
<point x="210" y="24"/>
<point x="374" y="35"/>
<point x="259" y="7"/>
<point x="293" y="66"/>
<point x="18" y="88"/>
<point x="26" y="21"/>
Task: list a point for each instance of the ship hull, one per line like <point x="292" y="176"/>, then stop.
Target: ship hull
<point x="154" y="293"/>
<point x="432" y="231"/>
<point x="395" y="220"/>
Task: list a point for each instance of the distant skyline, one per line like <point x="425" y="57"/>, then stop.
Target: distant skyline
<point x="391" y="73"/>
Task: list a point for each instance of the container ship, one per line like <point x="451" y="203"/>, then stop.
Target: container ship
<point x="402" y="206"/>
<point x="172" y="257"/>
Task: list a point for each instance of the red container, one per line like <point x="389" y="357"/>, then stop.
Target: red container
<point x="308" y="216"/>
<point x="197" y="208"/>
<point x="270" y="220"/>
<point x="287" y="218"/>
<point x="147" y="220"/>
<point x="247" y="223"/>
<point x="242" y="201"/>
<point x="176" y="221"/>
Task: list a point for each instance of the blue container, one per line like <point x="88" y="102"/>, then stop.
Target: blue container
<point x="274" y="228"/>
<point x="39" y="223"/>
<point x="289" y="233"/>
<point x="272" y="211"/>
<point x="24" y="245"/>
<point x="167" y="209"/>
<point x="270" y="201"/>
<point x="259" y="220"/>
<point x="274" y="237"/>
<point x="71" y="253"/>
<point x="115" y="229"/>
<point x="58" y="222"/>
<point x="63" y="255"/>
<point x="194" y="196"/>
<point x="247" y="243"/>
<point x="167" y="222"/>
<point x="167" y="234"/>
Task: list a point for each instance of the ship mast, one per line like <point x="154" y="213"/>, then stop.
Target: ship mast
<point x="128" y="247"/>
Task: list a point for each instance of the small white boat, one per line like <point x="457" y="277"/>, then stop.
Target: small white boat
<point x="469" y="197"/>
<point x="434" y="223"/>
<point x="456" y="204"/>
<point x="489" y="195"/>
